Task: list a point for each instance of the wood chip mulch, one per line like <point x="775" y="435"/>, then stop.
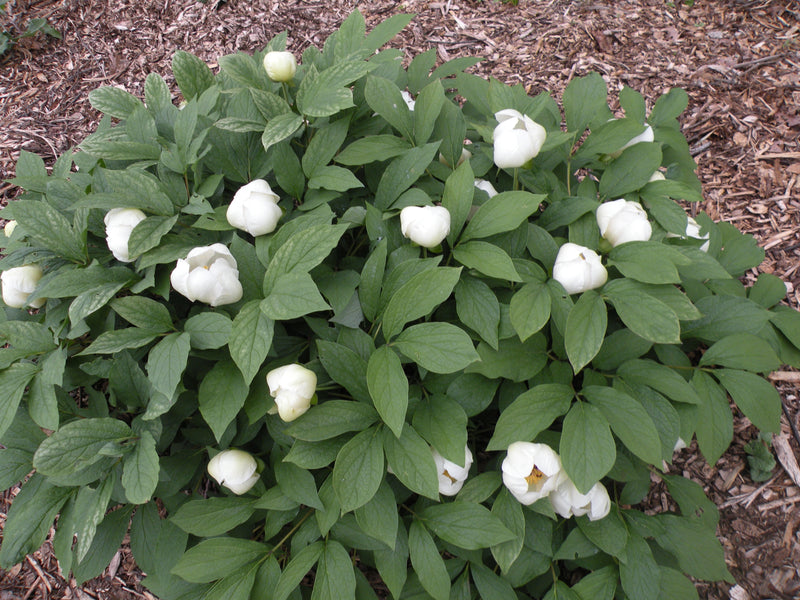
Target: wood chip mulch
<point x="738" y="59"/>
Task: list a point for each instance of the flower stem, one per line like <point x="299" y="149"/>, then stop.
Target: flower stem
<point x="516" y="179"/>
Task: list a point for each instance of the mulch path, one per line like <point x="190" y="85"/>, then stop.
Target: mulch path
<point x="739" y="60"/>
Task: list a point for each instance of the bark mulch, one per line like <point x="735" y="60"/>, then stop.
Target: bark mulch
<point x="738" y="59"/>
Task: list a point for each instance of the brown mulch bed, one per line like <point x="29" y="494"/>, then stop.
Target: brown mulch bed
<point x="738" y="59"/>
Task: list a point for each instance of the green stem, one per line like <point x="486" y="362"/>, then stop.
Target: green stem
<point x="516" y="179"/>
<point x="288" y="535"/>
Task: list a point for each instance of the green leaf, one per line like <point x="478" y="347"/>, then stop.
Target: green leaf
<point x="629" y="421"/>
<point x="491" y="585"/>
<point x="372" y="148"/>
<point x="315" y="455"/>
<point x="610" y="534"/>
<point x="742" y="351"/>
<point x="639" y="574"/>
<point x="208" y="330"/>
<point x="459" y="190"/>
<point x="530" y="413"/>
<point x="388" y="387"/>
<point x="369" y="289"/>
<point x="443" y="423"/>
<point x="644" y="315"/>
<point x="213" y="516"/>
<point x="297" y="568"/>
<point x="598" y="585"/>
<point x="236" y="586"/>
<point x="411" y="461"/>
<point x="418" y="297"/>
<point x="332" y="418"/>
<point x="648" y="262"/>
<point x="111" y="342"/>
<point x="675" y="584"/>
<point x="488" y="259"/>
<point x="659" y="377"/>
<point x="402" y="172"/>
<point x="91" y="301"/>
<point x="714" y="423"/>
<point x="303" y="251"/>
<point x="509" y="511"/>
<point x="586" y="329"/>
<point x="148" y="233"/>
<point x="378" y="517"/>
<point x="294" y="294"/>
<point x="79" y="444"/>
<point x="669" y="106"/>
<point x="215" y="558"/>
<point x="514" y="360"/>
<point x="530" y="309"/>
<point x="393" y="564"/>
<point x="724" y="316"/>
<point x="167" y="361"/>
<point x="755" y="396"/>
<point x="345" y="367"/>
<point x="427" y="109"/>
<point x="504" y="212"/>
<point x="631" y="171"/>
<point x="587" y="447"/>
<point x="30" y="518"/>
<point x="49" y="228"/>
<point x="697" y="549"/>
<point x="437" y="347"/>
<point x="585" y="100"/>
<point x="114" y="101"/>
<point x="191" y="74"/>
<point x="324" y="145"/>
<point x="334" y="178"/>
<point x="14" y="466"/>
<point x="324" y="94"/>
<point x="359" y="470"/>
<point x="223" y="381"/>
<point x="27" y="336"/>
<point x="140" y="470"/>
<point x="298" y="484"/>
<point x="279" y="128"/>
<point x="466" y="525"/>
<point x="143" y="312"/>
<point x="383" y="97"/>
<point x="250" y="339"/>
<point x="13" y="381"/>
<point x="427" y="562"/>
<point x="478" y="308"/>
<point x="335" y="579"/>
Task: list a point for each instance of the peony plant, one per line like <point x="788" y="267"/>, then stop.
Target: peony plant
<point x="300" y="335"/>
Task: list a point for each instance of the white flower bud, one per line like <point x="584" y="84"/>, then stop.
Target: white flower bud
<point x="9" y="228"/>
<point x="465" y="155"/>
<point x="451" y="476"/>
<point x="622" y="221"/>
<point x="517" y="139"/>
<point x="18" y="283"/>
<point x="531" y="471"/>
<point x="646" y="136"/>
<point x="568" y="501"/>
<point x="235" y="469"/>
<point x="487" y="187"/>
<point x="409" y="100"/>
<point x="120" y="222"/>
<point x="657" y="176"/>
<point x="693" y="231"/>
<point x="280" y="66"/>
<point x="254" y="208"/>
<point x="208" y="274"/>
<point x="578" y="269"/>
<point x="293" y="386"/>
<point x="425" y="225"/>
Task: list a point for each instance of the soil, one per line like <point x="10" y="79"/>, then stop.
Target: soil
<point x="739" y="60"/>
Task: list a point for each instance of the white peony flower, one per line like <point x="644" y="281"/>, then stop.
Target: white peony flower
<point x="451" y="476"/>
<point x="623" y="221"/>
<point x="568" y="501"/>
<point x="120" y="222"/>
<point x="425" y="225"/>
<point x="293" y="386"/>
<point x="9" y="228"/>
<point x="235" y="469"/>
<point x="517" y="139"/>
<point x="465" y="155"/>
<point x="280" y="66"/>
<point x="208" y="274"/>
<point x="578" y="269"/>
<point x="693" y="231"/>
<point x="254" y="208"/>
<point x="531" y="471"/>
<point x="657" y="176"/>
<point x="18" y="284"/>
<point x="487" y="187"/>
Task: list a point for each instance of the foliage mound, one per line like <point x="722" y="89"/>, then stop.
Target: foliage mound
<point x="452" y="416"/>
